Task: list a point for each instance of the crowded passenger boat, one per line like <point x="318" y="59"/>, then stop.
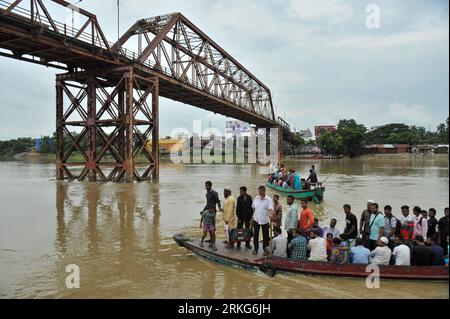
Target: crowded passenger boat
<point x="412" y="244"/>
<point x="289" y="182"/>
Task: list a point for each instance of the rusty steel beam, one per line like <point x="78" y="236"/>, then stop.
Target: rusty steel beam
<point x="126" y="144"/>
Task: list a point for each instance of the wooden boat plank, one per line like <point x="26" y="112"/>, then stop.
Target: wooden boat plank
<point x="242" y="256"/>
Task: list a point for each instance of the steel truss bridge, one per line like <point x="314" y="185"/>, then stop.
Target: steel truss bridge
<point x="110" y="91"/>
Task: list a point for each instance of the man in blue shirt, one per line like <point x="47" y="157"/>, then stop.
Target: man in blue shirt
<point x="360" y="254"/>
<point x="376" y="226"/>
<point x="298" y="246"/>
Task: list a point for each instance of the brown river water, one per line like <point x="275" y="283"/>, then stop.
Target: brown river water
<point x="120" y="235"/>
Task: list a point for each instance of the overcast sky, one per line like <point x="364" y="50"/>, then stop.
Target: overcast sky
<point x="319" y="59"/>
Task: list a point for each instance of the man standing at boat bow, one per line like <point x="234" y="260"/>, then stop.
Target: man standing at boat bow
<point x="262" y="209"/>
<point x="212" y="199"/>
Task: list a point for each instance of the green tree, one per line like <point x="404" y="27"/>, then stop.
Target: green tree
<point x="353" y="136"/>
<point x="330" y="142"/>
<point x="442" y="132"/>
<point x="297" y="140"/>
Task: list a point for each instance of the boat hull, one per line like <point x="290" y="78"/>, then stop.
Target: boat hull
<point x="271" y="265"/>
<point x="353" y="270"/>
<point x="313" y="194"/>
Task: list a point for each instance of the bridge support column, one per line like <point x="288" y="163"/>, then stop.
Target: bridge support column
<point x="105" y="128"/>
<point x="59" y="131"/>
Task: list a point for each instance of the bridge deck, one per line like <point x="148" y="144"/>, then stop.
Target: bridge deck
<point x="39" y="44"/>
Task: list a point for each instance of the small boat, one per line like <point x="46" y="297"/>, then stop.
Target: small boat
<point x="245" y="259"/>
<point x="314" y="194"/>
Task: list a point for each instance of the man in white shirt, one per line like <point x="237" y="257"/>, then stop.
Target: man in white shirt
<point x="382" y="254"/>
<point x="317" y="247"/>
<point x="262" y="209"/>
<point x="402" y="253"/>
<point x="279" y="243"/>
<point x="331" y="229"/>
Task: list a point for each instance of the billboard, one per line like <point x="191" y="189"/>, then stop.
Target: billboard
<point x="305" y="133"/>
<point x="237" y="128"/>
<point x="319" y="128"/>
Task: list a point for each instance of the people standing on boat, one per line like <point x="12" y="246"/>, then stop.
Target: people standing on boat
<point x="420" y="223"/>
<point x="425" y="214"/>
<point x="390" y="226"/>
<point x="212" y="200"/>
<point x="317" y="247"/>
<point x="376" y="226"/>
<point x="298" y="246"/>
<point x="407" y="226"/>
<point x="364" y="224"/>
<point x="432" y="223"/>
<point x="327" y="229"/>
<point x="212" y="197"/>
<point x="279" y="243"/>
<point x="262" y="209"/>
<point x="381" y="255"/>
<point x="207" y="223"/>
<point x="443" y="231"/>
<point x="291" y="221"/>
<point x="244" y="211"/>
<point x="351" y="225"/>
<point x="306" y="220"/>
<point x="359" y="253"/>
<point x="421" y="254"/>
<point x="228" y="214"/>
<point x="277" y="212"/>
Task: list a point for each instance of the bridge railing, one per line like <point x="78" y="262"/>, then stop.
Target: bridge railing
<point x="37" y="12"/>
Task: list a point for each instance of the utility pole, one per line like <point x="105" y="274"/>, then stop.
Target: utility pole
<point x="118" y="28"/>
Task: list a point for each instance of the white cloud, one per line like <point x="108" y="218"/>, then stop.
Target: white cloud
<point x="390" y="40"/>
<point x="409" y="114"/>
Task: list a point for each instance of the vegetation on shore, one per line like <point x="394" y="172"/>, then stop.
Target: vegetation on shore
<point x="351" y="137"/>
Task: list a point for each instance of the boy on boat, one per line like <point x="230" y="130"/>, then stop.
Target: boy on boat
<point x="207" y="223"/>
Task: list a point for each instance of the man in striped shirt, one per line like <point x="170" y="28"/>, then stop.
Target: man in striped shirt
<point x="298" y="246"/>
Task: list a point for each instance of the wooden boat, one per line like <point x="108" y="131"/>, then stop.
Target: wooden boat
<point x="354" y="270"/>
<point x="245" y="259"/>
<point x="315" y="194"/>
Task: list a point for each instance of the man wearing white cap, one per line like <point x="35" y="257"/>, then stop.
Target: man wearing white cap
<point x="382" y="254"/>
<point x="229" y="217"/>
<point x="364" y="224"/>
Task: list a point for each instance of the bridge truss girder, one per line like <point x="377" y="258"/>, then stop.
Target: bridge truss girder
<point x="116" y="113"/>
<point x="177" y="48"/>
